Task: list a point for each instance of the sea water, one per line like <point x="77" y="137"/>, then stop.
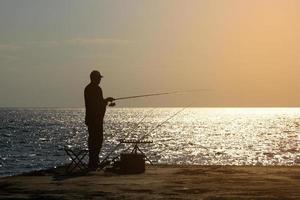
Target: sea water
<point x="32" y="139"/>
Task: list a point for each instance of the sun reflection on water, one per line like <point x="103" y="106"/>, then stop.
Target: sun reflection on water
<point x="34" y="139"/>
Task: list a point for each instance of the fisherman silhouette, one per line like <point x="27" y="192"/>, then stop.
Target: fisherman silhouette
<point x="95" y="106"/>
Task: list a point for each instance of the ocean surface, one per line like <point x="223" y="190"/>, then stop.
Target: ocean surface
<point x="32" y="139"/>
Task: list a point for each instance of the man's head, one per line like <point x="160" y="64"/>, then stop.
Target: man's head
<point x="95" y="77"/>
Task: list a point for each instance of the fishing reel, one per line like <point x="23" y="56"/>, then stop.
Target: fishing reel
<point x="110" y="101"/>
<point x="112" y="104"/>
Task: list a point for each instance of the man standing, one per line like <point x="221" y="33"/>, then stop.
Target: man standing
<point x="95" y="106"/>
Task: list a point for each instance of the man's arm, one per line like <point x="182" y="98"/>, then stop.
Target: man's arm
<point x="106" y="100"/>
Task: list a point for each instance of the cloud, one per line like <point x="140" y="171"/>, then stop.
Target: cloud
<point x="96" y="55"/>
<point x="87" y="42"/>
<point x="8" y="58"/>
<point x="27" y="44"/>
<point x="44" y="44"/>
<point x="10" y="47"/>
<point x="97" y="41"/>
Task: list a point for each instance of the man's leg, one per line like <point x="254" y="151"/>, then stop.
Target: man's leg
<point x="98" y="146"/>
<point x="91" y="145"/>
<point x="95" y="143"/>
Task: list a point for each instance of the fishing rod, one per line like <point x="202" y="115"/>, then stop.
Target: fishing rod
<point x="112" y="103"/>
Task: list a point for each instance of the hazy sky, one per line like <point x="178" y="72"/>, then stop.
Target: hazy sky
<point x="246" y="52"/>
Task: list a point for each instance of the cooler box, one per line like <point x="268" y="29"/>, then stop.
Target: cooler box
<point x="132" y="163"/>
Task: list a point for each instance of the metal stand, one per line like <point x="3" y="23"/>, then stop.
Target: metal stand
<point x="136" y="147"/>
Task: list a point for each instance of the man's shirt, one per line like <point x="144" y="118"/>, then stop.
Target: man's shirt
<point x="95" y="105"/>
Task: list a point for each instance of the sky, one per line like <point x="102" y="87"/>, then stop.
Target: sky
<point x="242" y="53"/>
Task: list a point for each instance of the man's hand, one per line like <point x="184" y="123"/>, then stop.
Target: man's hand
<point x="109" y="99"/>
